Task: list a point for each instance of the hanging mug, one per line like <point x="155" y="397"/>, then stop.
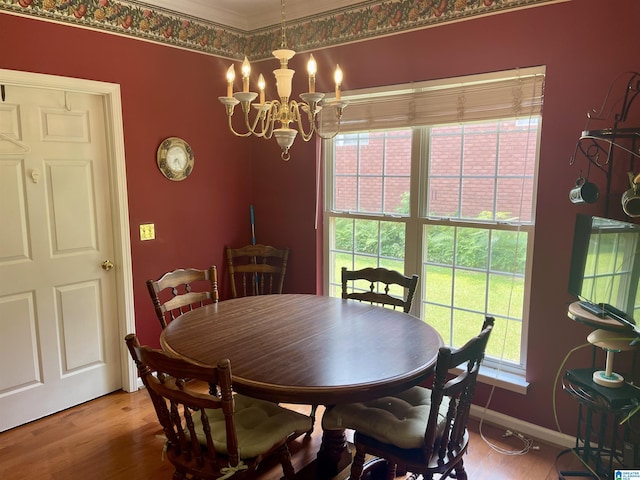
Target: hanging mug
<point x="631" y="198"/>
<point x="584" y="191"/>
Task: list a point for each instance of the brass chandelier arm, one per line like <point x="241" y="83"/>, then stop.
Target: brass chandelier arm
<point x="265" y="116"/>
<point x="263" y="124"/>
<point x="312" y="110"/>
<point x="237" y="134"/>
<point x="296" y="117"/>
<point x="268" y="124"/>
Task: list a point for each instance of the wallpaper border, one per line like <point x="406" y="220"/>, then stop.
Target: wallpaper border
<point x="363" y="21"/>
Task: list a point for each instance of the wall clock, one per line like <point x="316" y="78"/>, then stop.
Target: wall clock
<point x="175" y="158"/>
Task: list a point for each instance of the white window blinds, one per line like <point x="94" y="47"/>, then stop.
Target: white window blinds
<point x="507" y="94"/>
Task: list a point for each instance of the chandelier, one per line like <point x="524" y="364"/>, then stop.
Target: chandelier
<point x="284" y="112"/>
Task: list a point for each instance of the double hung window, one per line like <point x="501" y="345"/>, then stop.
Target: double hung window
<point x="439" y="179"/>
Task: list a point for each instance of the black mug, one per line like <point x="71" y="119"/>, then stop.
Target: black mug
<point x="583" y="192"/>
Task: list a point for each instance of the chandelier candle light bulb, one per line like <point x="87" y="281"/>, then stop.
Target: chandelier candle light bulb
<point x="261" y="86"/>
<point x="312" y="69"/>
<point x="246" y="70"/>
<point x="338" y="79"/>
<point x="231" y="76"/>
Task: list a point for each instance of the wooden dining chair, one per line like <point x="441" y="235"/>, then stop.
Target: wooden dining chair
<point x="256" y="269"/>
<point x="182" y="290"/>
<point x="213" y="435"/>
<point x="421" y="430"/>
<point x="374" y="285"/>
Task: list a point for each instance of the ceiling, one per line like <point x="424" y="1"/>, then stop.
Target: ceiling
<point x="249" y="15"/>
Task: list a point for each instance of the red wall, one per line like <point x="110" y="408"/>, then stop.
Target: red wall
<point x="171" y="92"/>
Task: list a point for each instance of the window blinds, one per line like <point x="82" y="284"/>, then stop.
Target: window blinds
<point x="516" y="93"/>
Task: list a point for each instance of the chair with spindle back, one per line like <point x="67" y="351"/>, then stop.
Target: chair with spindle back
<point x="182" y="296"/>
<point x="215" y="434"/>
<point x="373" y="285"/>
<point x="256" y="269"/>
<point x="421" y="430"/>
<point x="366" y="284"/>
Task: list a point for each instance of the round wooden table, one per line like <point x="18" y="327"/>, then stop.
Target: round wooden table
<point x="308" y="349"/>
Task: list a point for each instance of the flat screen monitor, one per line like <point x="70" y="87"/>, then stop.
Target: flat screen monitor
<point x="605" y="264"/>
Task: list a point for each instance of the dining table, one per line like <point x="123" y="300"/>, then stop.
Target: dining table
<point x="309" y="349"/>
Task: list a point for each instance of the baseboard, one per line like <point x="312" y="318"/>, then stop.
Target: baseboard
<point x="527" y="429"/>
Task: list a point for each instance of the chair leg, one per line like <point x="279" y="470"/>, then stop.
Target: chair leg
<point x="312" y="414"/>
<point x="358" y="463"/>
<point x="391" y="470"/>
<point x="285" y="461"/>
<point x="461" y="473"/>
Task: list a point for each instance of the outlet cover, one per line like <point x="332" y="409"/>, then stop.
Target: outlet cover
<point x="147" y="231"/>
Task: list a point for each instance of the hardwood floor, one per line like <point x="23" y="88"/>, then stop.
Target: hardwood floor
<point x="118" y="437"/>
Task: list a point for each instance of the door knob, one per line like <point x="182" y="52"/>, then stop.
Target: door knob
<point x="107" y="265"/>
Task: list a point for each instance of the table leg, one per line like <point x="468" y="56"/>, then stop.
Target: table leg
<point x="334" y="454"/>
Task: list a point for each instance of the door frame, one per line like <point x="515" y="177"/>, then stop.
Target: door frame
<point x="118" y="192"/>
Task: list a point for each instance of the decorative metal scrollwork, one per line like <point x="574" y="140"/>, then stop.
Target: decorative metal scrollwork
<point x="598" y="145"/>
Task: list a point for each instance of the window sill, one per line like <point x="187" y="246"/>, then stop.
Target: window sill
<point x="505" y="380"/>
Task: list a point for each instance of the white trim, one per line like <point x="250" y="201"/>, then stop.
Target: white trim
<point x="509" y="381"/>
<point x="120" y="204"/>
<point x="527" y="429"/>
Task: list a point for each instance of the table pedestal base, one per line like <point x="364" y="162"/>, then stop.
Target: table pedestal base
<point x="334" y="454"/>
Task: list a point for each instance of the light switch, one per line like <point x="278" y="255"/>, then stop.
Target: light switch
<point x="147" y="231"/>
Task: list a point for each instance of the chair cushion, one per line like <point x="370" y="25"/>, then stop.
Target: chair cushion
<point x="259" y="426"/>
<point x="399" y="420"/>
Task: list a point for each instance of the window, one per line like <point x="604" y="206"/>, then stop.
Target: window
<point x="440" y="180"/>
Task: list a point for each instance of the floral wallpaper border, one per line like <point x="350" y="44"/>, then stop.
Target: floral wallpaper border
<point x="365" y="20"/>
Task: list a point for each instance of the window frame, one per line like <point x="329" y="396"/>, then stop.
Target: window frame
<point x="495" y="371"/>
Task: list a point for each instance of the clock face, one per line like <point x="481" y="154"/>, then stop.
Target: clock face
<point x="175" y="158"/>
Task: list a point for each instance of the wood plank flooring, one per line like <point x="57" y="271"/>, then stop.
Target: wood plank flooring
<point x="118" y="437"/>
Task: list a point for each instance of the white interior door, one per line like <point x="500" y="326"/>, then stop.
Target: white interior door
<point x="59" y="342"/>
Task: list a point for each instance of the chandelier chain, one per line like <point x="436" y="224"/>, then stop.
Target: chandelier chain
<point x="283" y="28"/>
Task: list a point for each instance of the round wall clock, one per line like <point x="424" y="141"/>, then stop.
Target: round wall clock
<point x="175" y="158"/>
